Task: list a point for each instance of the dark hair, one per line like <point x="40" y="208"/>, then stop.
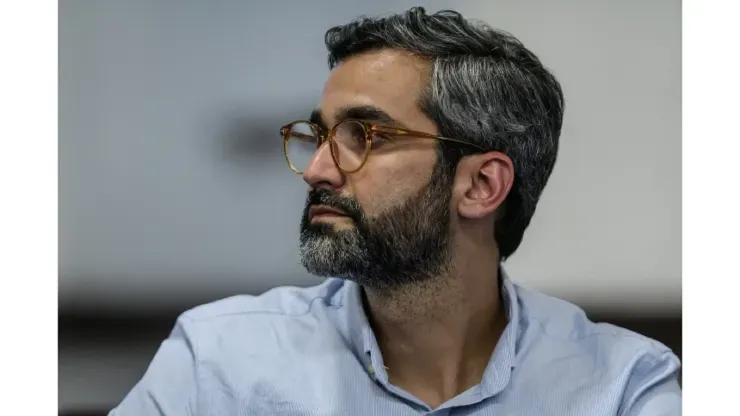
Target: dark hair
<point x="484" y="87"/>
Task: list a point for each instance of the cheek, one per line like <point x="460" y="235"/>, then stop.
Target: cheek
<point x="379" y="196"/>
<point x="379" y="187"/>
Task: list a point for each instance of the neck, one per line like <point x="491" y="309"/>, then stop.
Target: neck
<point x="437" y="336"/>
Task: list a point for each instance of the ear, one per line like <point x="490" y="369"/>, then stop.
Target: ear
<point x="485" y="180"/>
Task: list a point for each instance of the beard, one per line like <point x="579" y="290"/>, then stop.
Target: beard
<point x="407" y="243"/>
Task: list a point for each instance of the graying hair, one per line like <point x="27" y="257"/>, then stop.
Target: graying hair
<point x="484" y="87"/>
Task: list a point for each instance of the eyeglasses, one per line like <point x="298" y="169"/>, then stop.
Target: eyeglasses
<point x="350" y="142"/>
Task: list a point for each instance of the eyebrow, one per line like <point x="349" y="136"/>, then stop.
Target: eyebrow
<point x="363" y="112"/>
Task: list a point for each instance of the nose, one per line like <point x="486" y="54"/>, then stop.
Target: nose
<point x="322" y="171"/>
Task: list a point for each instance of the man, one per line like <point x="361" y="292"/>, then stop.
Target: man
<point x="432" y="143"/>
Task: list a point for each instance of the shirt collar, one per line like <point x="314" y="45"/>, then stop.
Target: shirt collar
<point x="497" y="373"/>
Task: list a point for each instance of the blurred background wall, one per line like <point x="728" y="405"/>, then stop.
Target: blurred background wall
<point x="173" y="190"/>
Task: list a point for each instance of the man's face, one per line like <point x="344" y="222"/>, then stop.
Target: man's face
<point x="393" y="222"/>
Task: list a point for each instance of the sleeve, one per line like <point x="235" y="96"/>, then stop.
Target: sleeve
<point x="654" y="389"/>
<point x="169" y="385"/>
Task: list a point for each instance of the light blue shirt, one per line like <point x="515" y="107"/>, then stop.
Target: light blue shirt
<point x="311" y="351"/>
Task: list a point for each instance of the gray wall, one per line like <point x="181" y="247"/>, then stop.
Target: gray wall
<point x="173" y="189"/>
<point x="171" y="173"/>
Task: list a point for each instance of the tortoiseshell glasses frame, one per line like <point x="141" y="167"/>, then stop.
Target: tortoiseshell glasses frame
<point x="371" y="130"/>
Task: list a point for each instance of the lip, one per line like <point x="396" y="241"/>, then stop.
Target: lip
<point x="319" y="211"/>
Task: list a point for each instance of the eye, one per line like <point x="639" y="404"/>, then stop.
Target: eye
<point x="383" y="134"/>
<point x="380" y="137"/>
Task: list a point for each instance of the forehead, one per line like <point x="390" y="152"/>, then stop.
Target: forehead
<point x="388" y="79"/>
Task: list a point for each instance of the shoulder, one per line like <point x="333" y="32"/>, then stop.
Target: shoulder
<point x="250" y="322"/>
<point x="226" y="344"/>
<point x="556" y="331"/>
<point x="288" y="301"/>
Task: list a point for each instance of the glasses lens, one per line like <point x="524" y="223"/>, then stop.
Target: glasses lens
<point x="350" y="145"/>
<point x="301" y="145"/>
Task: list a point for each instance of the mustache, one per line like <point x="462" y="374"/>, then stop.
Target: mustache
<point x="332" y="199"/>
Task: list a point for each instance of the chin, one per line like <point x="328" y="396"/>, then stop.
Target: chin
<point x="324" y="258"/>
